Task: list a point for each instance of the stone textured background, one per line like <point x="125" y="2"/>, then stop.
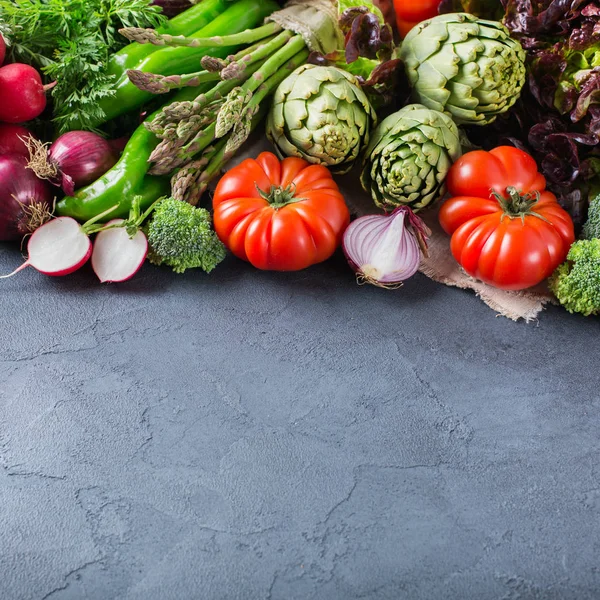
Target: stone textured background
<point x="250" y="435"/>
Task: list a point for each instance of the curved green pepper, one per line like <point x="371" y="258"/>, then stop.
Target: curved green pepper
<point x="242" y="15"/>
<point x="127" y="178"/>
<point x="186" y="23"/>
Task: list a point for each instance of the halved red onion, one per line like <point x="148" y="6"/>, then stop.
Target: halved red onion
<point x="385" y="250"/>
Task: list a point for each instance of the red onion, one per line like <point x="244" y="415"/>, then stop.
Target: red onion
<point x="118" y="145"/>
<point x="25" y="200"/>
<point x="385" y="250"/>
<point x="171" y="8"/>
<point x="12" y="139"/>
<point x="74" y="160"/>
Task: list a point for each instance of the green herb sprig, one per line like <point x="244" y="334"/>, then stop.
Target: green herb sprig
<point x="72" y="41"/>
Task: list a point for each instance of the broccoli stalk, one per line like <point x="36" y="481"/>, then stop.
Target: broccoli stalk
<point x="576" y="283"/>
<point x="180" y="236"/>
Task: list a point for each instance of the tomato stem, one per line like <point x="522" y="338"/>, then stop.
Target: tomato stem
<point x="278" y="196"/>
<point x="518" y="205"/>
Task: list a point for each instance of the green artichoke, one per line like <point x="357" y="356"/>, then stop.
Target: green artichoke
<point x="322" y="115"/>
<point x="465" y="66"/>
<point x="409" y="156"/>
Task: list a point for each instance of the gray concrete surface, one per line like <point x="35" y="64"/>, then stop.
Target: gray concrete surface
<point x="251" y="435"/>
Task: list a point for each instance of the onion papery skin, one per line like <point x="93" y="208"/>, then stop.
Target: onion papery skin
<point x="20" y="190"/>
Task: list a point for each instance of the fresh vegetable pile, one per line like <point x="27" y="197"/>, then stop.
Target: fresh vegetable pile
<point x="117" y="115"/>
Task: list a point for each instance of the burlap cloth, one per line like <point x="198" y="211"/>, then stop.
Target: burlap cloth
<point x="440" y="266"/>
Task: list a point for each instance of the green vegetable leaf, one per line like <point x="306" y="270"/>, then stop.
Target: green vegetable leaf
<point x="361" y="67"/>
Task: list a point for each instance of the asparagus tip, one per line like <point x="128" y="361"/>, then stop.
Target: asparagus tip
<point x="141" y="35"/>
<point x="149" y="82"/>
<point x="233" y="70"/>
<point x="232" y="110"/>
<point x="213" y="64"/>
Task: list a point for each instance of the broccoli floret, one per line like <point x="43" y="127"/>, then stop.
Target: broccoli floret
<point x="591" y="229"/>
<point x="576" y="283"/>
<point x="181" y="237"/>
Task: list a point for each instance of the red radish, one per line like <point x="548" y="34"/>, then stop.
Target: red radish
<point x="12" y="140"/>
<point x="61" y="246"/>
<point x="57" y="248"/>
<point x="117" y="256"/>
<point x="2" y="50"/>
<point x="23" y="93"/>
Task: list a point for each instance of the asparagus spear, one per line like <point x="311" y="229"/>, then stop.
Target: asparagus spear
<point x="172" y="154"/>
<point x="233" y="68"/>
<point x="178" y="113"/>
<point x="151" y="36"/>
<point x="192" y="180"/>
<point x="162" y="84"/>
<point x="181" y="123"/>
<point x="232" y="109"/>
<point x="185" y="183"/>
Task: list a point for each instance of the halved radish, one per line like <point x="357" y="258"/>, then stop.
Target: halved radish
<point x="59" y="247"/>
<point x="116" y="256"/>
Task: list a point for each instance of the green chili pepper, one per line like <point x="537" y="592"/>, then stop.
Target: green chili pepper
<point x="187" y="23"/>
<point x="128" y="178"/>
<point x="242" y="15"/>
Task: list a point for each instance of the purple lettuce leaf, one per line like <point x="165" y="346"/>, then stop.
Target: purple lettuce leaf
<point x="366" y="35"/>
<point x="557" y="118"/>
<point x="588" y="103"/>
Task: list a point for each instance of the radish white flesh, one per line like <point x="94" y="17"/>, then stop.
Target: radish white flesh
<point x="57" y="248"/>
<point x="116" y="256"/>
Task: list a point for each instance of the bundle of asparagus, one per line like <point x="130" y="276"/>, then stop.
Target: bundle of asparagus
<point x="199" y="136"/>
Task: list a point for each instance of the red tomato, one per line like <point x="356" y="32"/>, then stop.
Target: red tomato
<point x="279" y="215"/>
<point x="2" y="50"/>
<point x="411" y="12"/>
<point x="506" y="229"/>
